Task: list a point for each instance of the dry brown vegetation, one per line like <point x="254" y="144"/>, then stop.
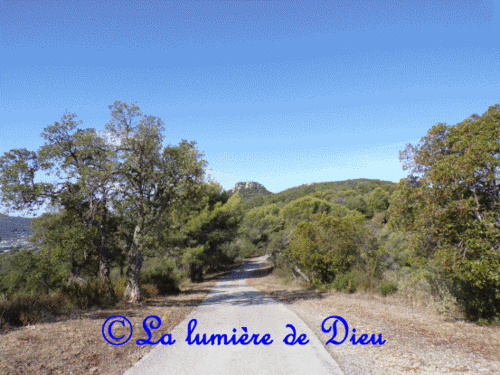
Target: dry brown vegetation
<point x="74" y="344"/>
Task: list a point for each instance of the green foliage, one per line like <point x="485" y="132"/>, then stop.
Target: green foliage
<point x="279" y="252"/>
<point x="323" y="190"/>
<point x="232" y="250"/>
<point x="357" y="203"/>
<point x="344" y="283"/>
<point x="387" y="288"/>
<point x="377" y="201"/>
<point x="395" y="248"/>
<point x="326" y="246"/>
<point x="302" y="208"/>
<point x="259" y="223"/>
<point x="164" y="277"/>
<point x="26" y="271"/>
<point x="340" y="211"/>
<point x="247" y="249"/>
<point x="67" y="242"/>
<point x="197" y="235"/>
<point x="451" y="212"/>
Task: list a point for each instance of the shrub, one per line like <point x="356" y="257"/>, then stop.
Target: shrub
<point x="357" y="203"/>
<point x="328" y="245"/>
<point x="231" y="250"/>
<point x="424" y="287"/>
<point x="344" y="283"/>
<point x="477" y="302"/>
<point x="387" y="288"/>
<point x="248" y="249"/>
<point x="339" y="200"/>
<point x="280" y="256"/>
<point x="18" y="310"/>
<point x="93" y="294"/>
<point x="149" y="291"/>
<point x="119" y="286"/>
<point x="164" y="277"/>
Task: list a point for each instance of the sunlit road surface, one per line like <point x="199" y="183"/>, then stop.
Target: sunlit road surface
<point x="232" y="304"/>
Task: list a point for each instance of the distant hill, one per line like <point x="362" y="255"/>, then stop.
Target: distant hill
<point x="12" y="227"/>
<point x="362" y="185"/>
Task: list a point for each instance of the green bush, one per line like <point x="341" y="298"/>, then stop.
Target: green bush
<point x="328" y="245"/>
<point x="25" y="271"/>
<point x="165" y="278"/>
<point x="280" y="256"/>
<point x="248" y="249"/>
<point x="477" y="302"/>
<point x="387" y="288"/>
<point x="231" y="250"/>
<point x="344" y="283"/>
<point x="357" y="203"/>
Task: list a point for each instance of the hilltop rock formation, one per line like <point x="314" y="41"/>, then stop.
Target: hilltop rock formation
<point x="249" y="189"/>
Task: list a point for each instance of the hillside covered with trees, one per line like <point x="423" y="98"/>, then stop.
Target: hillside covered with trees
<point x="131" y="216"/>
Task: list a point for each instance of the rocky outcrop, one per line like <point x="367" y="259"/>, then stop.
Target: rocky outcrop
<point x="249" y="189"/>
<point x="249" y="185"/>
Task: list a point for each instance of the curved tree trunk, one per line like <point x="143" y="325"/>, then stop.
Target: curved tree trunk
<point x="133" y="291"/>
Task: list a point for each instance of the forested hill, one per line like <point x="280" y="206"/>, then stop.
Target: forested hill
<point x="253" y="193"/>
<point x="360" y="185"/>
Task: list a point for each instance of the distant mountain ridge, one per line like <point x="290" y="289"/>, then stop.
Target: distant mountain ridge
<point x="12" y="227"/>
<point x="15" y="233"/>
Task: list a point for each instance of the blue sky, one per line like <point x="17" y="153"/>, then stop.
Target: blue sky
<point x="279" y="92"/>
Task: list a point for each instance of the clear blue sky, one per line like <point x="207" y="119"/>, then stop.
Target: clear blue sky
<point x="279" y="92"/>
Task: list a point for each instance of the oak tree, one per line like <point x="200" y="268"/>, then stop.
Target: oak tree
<point x="448" y="207"/>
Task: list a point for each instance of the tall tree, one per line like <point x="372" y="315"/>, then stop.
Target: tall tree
<point x="150" y="181"/>
<point x="82" y="165"/>
<point x="449" y="207"/>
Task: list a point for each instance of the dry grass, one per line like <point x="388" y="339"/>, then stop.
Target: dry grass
<point x="74" y="344"/>
<point x="418" y="339"/>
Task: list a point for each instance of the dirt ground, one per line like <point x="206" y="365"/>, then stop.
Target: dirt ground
<point x="418" y="340"/>
<point x="75" y="345"/>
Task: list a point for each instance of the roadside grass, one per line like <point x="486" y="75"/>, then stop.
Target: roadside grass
<point x="73" y="342"/>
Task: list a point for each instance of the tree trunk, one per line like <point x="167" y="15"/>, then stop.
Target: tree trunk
<point x="104" y="267"/>
<point x="133" y="291"/>
<point x="304" y="276"/>
<point x="76" y="269"/>
<point x="195" y="273"/>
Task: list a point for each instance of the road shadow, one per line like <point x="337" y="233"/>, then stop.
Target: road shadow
<point x="252" y="298"/>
